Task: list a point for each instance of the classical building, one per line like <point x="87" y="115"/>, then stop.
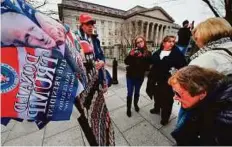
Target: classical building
<point x="115" y="26"/>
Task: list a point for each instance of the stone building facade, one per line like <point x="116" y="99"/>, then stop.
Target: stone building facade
<point x="115" y="26"/>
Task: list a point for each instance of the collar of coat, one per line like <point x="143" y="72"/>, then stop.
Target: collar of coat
<point x="210" y="46"/>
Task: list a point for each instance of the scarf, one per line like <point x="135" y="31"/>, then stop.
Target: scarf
<point x="210" y="46"/>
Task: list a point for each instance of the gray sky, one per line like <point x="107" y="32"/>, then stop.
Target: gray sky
<point x="178" y="9"/>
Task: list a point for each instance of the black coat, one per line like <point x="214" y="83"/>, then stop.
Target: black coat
<point x="184" y="35"/>
<point x="157" y="85"/>
<point x="209" y="123"/>
<point x="136" y="66"/>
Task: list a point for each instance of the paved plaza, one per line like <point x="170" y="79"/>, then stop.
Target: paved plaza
<point x="142" y="129"/>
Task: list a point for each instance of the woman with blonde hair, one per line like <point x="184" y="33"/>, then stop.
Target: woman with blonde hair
<point x="206" y="97"/>
<point x="213" y="37"/>
<point x="137" y="63"/>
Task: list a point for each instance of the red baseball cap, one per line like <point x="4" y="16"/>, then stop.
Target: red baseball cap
<point x="84" y="18"/>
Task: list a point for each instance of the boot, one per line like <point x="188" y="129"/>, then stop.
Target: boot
<point x="129" y="101"/>
<point x="155" y="111"/>
<point x="136" y="100"/>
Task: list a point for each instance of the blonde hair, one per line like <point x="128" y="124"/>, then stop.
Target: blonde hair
<point x="196" y="79"/>
<point x="212" y="29"/>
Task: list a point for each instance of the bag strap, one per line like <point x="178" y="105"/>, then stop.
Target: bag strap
<point x="224" y="49"/>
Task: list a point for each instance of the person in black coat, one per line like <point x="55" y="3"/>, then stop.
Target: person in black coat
<point x="137" y="63"/>
<point x="165" y="61"/>
<point x="206" y="96"/>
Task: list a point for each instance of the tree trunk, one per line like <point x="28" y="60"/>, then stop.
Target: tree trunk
<point x="228" y="9"/>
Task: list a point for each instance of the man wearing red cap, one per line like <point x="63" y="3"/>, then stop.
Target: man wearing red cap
<point x="85" y="32"/>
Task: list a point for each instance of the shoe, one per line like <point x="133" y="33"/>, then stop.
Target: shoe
<point x="154" y="111"/>
<point x="136" y="108"/>
<point x="129" y="101"/>
<point x="164" y="122"/>
<point x="136" y="100"/>
<point x="128" y="112"/>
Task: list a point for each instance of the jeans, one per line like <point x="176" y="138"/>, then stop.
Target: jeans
<point x="183" y="49"/>
<point x="134" y="84"/>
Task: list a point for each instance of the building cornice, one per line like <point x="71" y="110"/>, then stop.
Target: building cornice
<point x="148" y="17"/>
<point x="61" y="6"/>
<point x="78" y="5"/>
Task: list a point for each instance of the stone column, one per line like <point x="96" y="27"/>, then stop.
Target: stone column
<point x="164" y="31"/>
<point x="136" y="28"/>
<point x="152" y="32"/>
<point x="130" y="31"/>
<point x="157" y="34"/>
<point x="160" y="34"/>
<point x="147" y="32"/>
<point x="142" y="33"/>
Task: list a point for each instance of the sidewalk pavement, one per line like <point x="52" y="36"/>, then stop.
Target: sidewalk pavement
<point x="142" y="129"/>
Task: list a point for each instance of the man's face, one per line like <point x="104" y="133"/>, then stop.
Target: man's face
<point x="52" y="28"/>
<point x="25" y="32"/>
<point x="88" y="28"/>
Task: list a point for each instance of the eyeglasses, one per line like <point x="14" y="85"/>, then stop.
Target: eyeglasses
<point x="177" y="94"/>
<point x="139" y="42"/>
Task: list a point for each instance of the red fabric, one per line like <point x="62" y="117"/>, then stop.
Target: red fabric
<point x="86" y="46"/>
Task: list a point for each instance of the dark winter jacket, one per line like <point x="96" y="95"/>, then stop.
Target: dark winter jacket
<point x="137" y="65"/>
<point x="98" y="53"/>
<point x="210" y="122"/>
<point x="160" y="71"/>
<point x="184" y="35"/>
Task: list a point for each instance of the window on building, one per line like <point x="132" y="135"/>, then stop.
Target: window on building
<point x="102" y="9"/>
<point x="102" y="22"/>
<point x="85" y="5"/>
<point x="116" y="32"/>
<point x="102" y="31"/>
<point x="109" y="24"/>
<point x="103" y="43"/>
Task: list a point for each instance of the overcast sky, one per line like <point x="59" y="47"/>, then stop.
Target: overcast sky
<point x="178" y="9"/>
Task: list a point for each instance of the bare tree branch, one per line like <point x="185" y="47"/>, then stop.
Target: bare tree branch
<point x="211" y="8"/>
<point x="37" y="4"/>
<point x="228" y="7"/>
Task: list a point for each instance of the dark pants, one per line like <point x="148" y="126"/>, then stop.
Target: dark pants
<point x="133" y="86"/>
<point x="163" y="99"/>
